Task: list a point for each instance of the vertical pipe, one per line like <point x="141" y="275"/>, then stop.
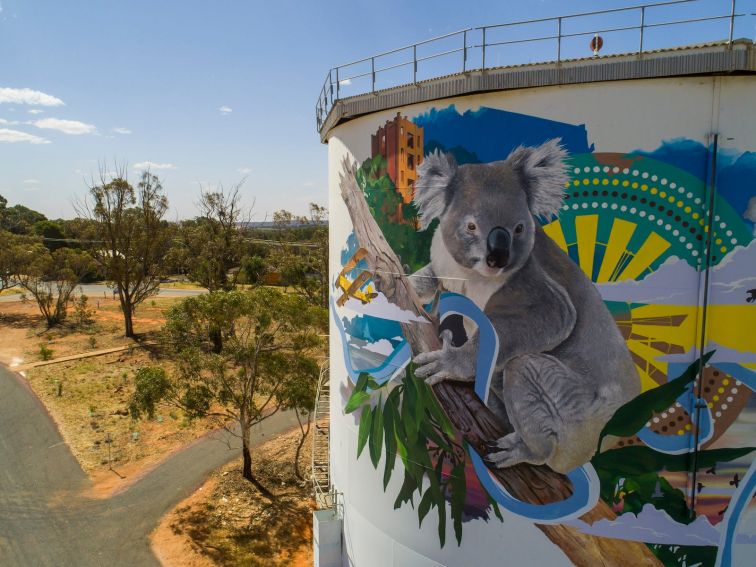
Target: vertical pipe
<point x="330" y="84"/>
<point x="338" y="84"/>
<point x="732" y="21"/>
<point x="464" y="51"/>
<point x="484" y="49"/>
<point x="559" y="40"/>
<point x="372" y="71"/>
<point x="414" y="63"/>
<point x="704" y="311"/>
<point x="643" y="23"/>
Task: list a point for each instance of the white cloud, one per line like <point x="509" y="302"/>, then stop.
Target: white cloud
<point x="345" y="82"/>
<point x="31" y="181"/>
<point x="73" y="127"/>
<point x="225" y="109"/>
<point x="8" y="122"/>
<point x="28" y="96"/>
<point x="244" y="170"/>
<point x="14" y="136"/>
<point x="382" y="308"/>
<point x="121" y="130"/>
<point x="36" y="111"/>
<point x="153" y="165"/>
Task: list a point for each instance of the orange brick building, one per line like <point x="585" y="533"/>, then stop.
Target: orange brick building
<point x="401" y="143"/>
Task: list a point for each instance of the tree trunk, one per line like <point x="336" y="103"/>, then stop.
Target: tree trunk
<point x="247" y="464"/>
<point x="470" y="416"/>
<point x="305" y="431"/>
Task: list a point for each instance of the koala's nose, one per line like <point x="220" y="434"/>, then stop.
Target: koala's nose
<point x="498" y="245"/>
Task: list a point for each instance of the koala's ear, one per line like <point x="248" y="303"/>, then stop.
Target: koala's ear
<point x="434" y="176"/>
<point x="543" y="173"/>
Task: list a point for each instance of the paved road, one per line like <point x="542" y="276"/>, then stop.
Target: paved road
<point x="95" y="291"/>
<point x="44" y="519"/>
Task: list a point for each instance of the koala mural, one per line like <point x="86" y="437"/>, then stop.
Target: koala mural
<point x="562" y="368"/>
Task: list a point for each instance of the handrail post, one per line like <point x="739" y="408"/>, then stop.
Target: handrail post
<point x="484" y="49"/>
<point x="559" y="40"/>
<point x="414" y="64"/>
<point x="338" y="84"/>
<point x="732" y="22"/>
<point x="642" y="23"/>
<point x="330" y="84"/>
<point x="372" y="71"/>
<point x="464" y="51"/>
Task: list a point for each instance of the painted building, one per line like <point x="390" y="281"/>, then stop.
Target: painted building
<point x="400" y="142"/>
<point x="554" y="362"/>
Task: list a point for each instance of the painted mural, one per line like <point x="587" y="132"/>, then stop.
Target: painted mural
<point x="567" y="284"/>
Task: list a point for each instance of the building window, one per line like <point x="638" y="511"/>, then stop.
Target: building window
<point x="410" y="161"/>
<point x="410" y="140"/>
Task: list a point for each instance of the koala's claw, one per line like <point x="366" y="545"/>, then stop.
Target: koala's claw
<point x="438" y="365"/>
<point x="506" y="451"/>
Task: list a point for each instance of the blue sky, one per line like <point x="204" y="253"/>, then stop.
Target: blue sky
<point x="208" y="92"/>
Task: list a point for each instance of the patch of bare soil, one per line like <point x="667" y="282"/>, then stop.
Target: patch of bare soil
<point x="229" y="522"/>
<point x="88" y="398"/>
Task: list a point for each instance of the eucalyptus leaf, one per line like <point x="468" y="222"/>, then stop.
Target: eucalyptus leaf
<point x="376" y="435"/>
<point x="424" y="507"/>
<point x="389" y="418"/>
<point x="366" y="423"/>
<point x="356" y="400"/>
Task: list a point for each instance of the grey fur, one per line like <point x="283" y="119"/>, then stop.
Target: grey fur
<point x="563" y="368"/>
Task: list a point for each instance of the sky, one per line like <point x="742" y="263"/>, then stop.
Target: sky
<point x="212" y="93"/>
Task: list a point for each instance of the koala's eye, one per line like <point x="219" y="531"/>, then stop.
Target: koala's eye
<point x="519" y="228"/>
<point x="471" y="226"/>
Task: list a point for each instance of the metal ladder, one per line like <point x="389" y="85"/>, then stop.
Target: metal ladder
<point x="321" y="467"/>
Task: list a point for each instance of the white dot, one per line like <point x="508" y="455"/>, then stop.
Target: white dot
<point x="614" y="206"/>
<point x="575" y="206"/>
<point x="584" y="205"/>
<point x="651" y="217"/>
<point x="672" y="410"/>
<point x="675" y="232"/>
<point x="626" y="171"/>
<point x="667" y="227"/>
<point x="596" y="169"/>
<point x="645" y="175"/>
<point x="695" y="253"/>
<point x="654" y="178"/>
<point x="615" y="169"/>
<point x="734" y="241"/>
<point x="604" y="205"/>
<point x="660" y="222"/>
<point x="722" y="225"/>
<point x="737" y="382"/>
<point x="633" y="210"/>
<point x="656" y="420"/>
<point x="664" y="415"/>
<point x="716" y="218"/>
<point x="594" y="205"/>
<point x="681" y="190"/>
<point x="606" y="169"/>
<point x="718" y="414"/>
<point x="565" y="207"/>
<point x="577" y="170"/>
<point x="725" y="406"/>
<point x="648" y="424"/>
<point x="586" y="169"/>
<point x="734" y="390"/>
<point x="729" y="398"/>
<point x="682" y="239"/>
<point x="635" y="172"/>
<point x="688" y="246"/>
<point x="642" y="213"/>
<point x="690" y="195"/>
<point x="664" y="181"/>
<point x="728" y="233"/>
<point x="697" y="201"/>
<point x="623" y="208"/>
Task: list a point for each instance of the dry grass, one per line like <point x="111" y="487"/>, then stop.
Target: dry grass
<point x="230" y="523"/>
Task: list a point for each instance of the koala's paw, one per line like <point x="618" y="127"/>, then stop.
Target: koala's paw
<point x="449" y="363"/>
<point x="507" y="451"/>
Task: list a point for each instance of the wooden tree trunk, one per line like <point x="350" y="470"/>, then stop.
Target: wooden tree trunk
<point x="533" y="484"/>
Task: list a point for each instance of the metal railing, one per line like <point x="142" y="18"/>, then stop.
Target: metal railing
<point x="321" y="446"/>
<point x="454" y="43"/>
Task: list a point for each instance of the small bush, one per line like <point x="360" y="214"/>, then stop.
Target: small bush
<point x="45" y="352"/>
<point x="93" y="342"/>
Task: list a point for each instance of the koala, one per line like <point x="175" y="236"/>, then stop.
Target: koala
<point x="563" y="367"/>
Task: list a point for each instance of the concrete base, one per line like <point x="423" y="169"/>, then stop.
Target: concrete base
<point x="326" y="538"/>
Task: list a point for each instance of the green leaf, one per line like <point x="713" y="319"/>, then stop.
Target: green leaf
<point x="405" y="492"/>
<point x="356" y="400"/>
<point x="632" y="416"/>
<point x="424" y="507"/>
<point x="366" y="423"/>
<point x="458" y="493"/>
<point x="376" y="435"/>
<point x="389" y="417"/>
<point x="362" y="382"/>
<point x="637" y="460"/>
<point x="442" y="521"/>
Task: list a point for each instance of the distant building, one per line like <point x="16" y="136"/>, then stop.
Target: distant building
<point x="401" y="143"/>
